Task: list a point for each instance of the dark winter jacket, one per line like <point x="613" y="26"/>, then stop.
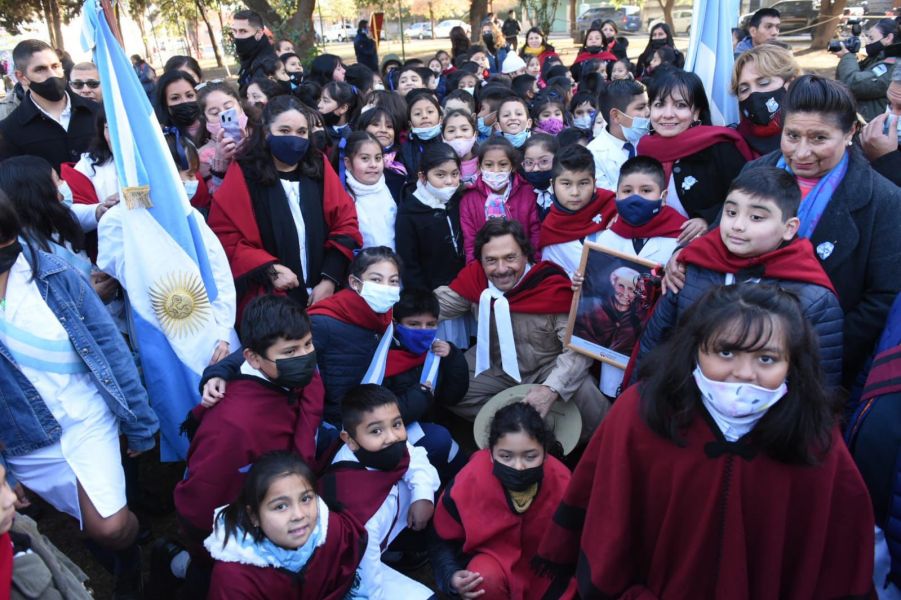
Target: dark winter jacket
<point x="818" y="304"/>
<point x="858" y="243"/>
<point x="415" y="402"/>
<point x="889" y="166"/>
<point x="430" y="243"/>
<point x="366" y="51"/>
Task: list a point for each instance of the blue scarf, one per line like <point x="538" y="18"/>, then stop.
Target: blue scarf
<point x="293" y="560"/>
<point x="814" y="205"/>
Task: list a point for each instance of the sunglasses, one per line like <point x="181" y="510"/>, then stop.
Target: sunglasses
<point x="92" y="84"/>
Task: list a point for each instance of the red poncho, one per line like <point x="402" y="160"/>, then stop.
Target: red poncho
<point x="667" y="223"/>
<point x="691" y="141"/>
<point x="646" y="518"/>
<point x="544" y="290"/>
<point x="474" y="510"/>
<point x="560" y="227"/>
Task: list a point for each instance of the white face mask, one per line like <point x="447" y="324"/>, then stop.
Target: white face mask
<point x="191" y="187"/>
<point x="737" y="400"/>
<point x="378" y="87"/>
<point x="462" y="146"/>
<point x="471" y="90"/>
<point x="582" y="122"/>
<point x="444" y="194"/>
<point x="66" y="192"/>
<point x="496" y="180"/>
<point x="380" y="297"/>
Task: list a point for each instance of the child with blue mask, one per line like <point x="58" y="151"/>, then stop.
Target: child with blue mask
<point x="584" y="107"/>
<point x="513" y="120"/>
<point x="424" y="116"/>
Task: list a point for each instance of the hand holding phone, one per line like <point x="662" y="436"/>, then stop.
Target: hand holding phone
<point x="229" y="120"/>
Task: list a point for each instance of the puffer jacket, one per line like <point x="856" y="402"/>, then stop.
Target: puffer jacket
<point x="521" y="206"/>
<point x="818" y="304"/>
<point x="868" y="81"/>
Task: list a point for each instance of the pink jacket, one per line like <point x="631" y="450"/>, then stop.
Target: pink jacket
<point x="522" y="206"/>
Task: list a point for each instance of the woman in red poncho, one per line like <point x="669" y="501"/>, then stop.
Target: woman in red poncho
<point x="699" y="160"/>
<point x="280" y="540"/>
<point x="283" y="217"/>
<point x="496" y="510"/>
<point x="722" y="474"/>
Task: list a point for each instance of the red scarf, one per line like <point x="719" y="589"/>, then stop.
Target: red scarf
<point x="585" y="55"/>
<point x="691" y="141"/>
<point x="401" y="361"/>
<point x="795" y="261"/>
<point x="667" y="223"/>
<point x="350" y="487"/>
<point x="560" y="227"/>
<point x="348" y="306"/>
<point x="6" y="565"/>
<point x="544" y="290"/>
<point x="754" y="134"/>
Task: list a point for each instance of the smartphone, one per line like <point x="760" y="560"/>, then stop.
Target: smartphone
<point x="229" y="120"/>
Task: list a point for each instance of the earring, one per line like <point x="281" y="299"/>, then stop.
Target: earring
<point x="695" y="123"/>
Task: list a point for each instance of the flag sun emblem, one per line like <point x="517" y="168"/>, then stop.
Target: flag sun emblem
<point x="180" y="303"/>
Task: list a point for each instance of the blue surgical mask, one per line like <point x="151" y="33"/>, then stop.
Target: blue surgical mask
<point x="484" y="130"/>
<point x="66" y="192"/>
<point x="427" y="133"/>
<point x="190" y="187"/>
<point x="583" y="121"/>
<point x="640" y="128"/>
<point x="417" y="341"/>
<point x="518" y="139"/>
<point x="637" y="210"/>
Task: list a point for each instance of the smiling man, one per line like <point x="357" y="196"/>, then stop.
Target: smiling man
<point x="523" y="311"/>
<point x="50" y="122"/>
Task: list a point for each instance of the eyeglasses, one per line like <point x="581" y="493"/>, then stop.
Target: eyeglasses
<point x="544" y="163"/>
<point x="92" y="84"/>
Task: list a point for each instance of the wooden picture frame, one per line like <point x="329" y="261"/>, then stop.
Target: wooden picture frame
<point x="598" y="327"/>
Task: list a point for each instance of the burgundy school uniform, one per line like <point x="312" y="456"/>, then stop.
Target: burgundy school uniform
<point x="475" y="510"/>
<point x="254" y="418"/>
<point x="329" y="574"/>
<point x="646" y="518"/>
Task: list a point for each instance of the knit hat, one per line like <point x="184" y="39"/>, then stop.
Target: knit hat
<point x="512" y="63"/>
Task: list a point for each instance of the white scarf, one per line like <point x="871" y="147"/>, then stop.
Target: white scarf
<point x="103" y="176"/>
<point x="376" y="211"/>
<point x="504" y="324"/>
<point x="423" y="194"/>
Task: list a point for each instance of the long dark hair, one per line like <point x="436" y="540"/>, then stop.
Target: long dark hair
<point x="99" y="151"/>
<point x="666" y="81"/>
<point x="256" y="159"/>
<point x="226" y="88"/>
<point x="178" y="61"/>
<point x="240" y="514"/>
<point x="28" y="183"/>
<point x="459" y="42"/>
<point x="796" y="429"/>
<point x="645" y="57"/>
<point x="160" y="106"/>
<point x="322" y="68"/>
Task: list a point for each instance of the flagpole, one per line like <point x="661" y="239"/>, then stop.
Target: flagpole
<point x="107" y="7"/>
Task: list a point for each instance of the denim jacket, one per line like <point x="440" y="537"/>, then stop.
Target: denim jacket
<point x="26" y="424"/>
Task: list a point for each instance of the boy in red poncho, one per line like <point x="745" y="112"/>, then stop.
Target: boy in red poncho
<point x="275" y="403"/>
<point x="757" y="241"/>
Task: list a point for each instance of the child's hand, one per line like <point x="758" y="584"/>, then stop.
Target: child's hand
<point x="466" y="584"/>
<point x="213" y="392"/>
<point x="673" y="275"/>
<point x="420" y="514"/>
<point x="441" y="348"/>
<point x="578" y="280"/>
<point x="691" y="229"/>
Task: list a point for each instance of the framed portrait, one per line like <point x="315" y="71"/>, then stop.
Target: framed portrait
<point x="609" y="311"/>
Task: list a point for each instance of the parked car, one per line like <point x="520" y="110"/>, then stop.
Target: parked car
<point x="627" y="18"/>
<point x="681" y="21"/>
<point x="443" y="29"/>
<point x="794" y="15"/>
<point x="420" y="31"/>
<point x="338" y="33"/>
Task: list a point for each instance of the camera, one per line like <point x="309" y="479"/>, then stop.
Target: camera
<point x="851" y="43"/>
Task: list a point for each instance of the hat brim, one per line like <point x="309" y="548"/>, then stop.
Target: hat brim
<point x="563" y="418"/>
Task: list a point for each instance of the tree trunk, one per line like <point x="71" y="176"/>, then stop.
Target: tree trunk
<point x="829" y="10"/>
<point x="667" y="7"/>
<point x="56" y="24"/>
<point x="573" y="22"/>
<point x="477" y="11"/>
<point x="432" y="20"/>
<point x="209" y="29"/>
<point x="301" y="22"/>
<point x="139" y="21"/>
<point x="45" y="8"/>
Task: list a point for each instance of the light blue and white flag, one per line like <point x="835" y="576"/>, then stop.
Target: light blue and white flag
<point x="164" y="266"/>
<point x="710" y="55"/>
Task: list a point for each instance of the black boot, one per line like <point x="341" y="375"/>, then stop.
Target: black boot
<point x="129" y="583"/>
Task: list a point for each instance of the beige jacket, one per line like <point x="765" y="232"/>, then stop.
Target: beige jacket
<point x="539" y="343"/>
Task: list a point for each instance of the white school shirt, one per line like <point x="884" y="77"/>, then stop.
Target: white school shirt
<point x="568" y="255"/>
<point x="609" y="156"/>
<point x="292" y="191"/>
<point x="420" y="482"/>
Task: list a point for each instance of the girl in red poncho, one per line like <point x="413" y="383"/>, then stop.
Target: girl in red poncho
<point x="722" y="474"/>
<point x="284" y="219"/>
<point x="593" y="48"/>
<point x="496" y="510"/>
<point x="280" y="540"/>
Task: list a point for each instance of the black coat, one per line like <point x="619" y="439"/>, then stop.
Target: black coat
<point x="429" y="242"/>
<point x="858" y="242"/>
<point x="713" y="170"/>
<point x="889" y="166"/>
<point x="415" y="402"/>
<point x="366" y="51"/>
<point x="27" y="130"/>
<point x="818" y="304"/>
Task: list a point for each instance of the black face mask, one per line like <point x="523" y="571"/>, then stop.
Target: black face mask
<point x="385" y="459"/>
<point x="186" y="113"/>
<point x="539" y="179"/>
<point x="658" y="43"/>
<point x="331" y="119"/>
<point x="52" y="88"/>
<point x="874" y="49"/>
<point x="319" y="139"/>
<point x="488" y="37"/>
<point x="9" y="255"/>
<point x="295" y="372"/>
<point x="593" y="49"/>
<point x="761" y="107"/>
<point x="247" y="48"/>
<point x="516" y="480"/>
<point x="297" y="77"/>
<point x="285" y="85"/>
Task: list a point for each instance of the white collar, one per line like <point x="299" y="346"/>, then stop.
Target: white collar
<point x="504" y="324"/>
<point x="64" y="115"/>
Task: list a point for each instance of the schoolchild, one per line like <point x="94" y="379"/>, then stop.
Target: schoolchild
<point x="513" y="121"/>
<point x="538" y="168"/>
<point x="424" y="117"/>
<point x="365" y="181"/>
<point x="624" y="108"/>
<point x="382" y="125"/>
<point x="458" y="129"/>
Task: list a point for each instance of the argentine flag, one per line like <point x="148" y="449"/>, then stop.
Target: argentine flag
<point x="164" y="266"/>
<point x="710" y="55"/>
